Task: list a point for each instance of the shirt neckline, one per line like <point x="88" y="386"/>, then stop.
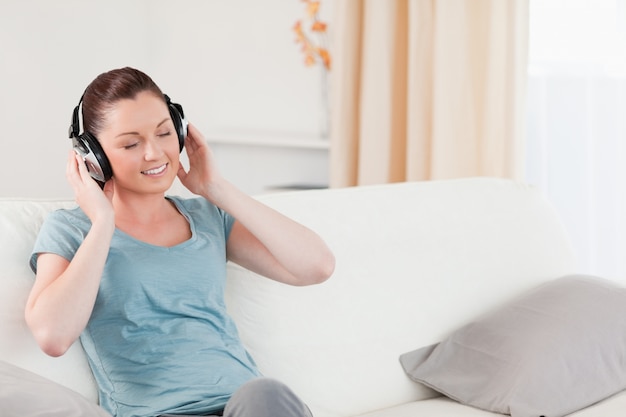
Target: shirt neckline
<point x="182" y="210"/>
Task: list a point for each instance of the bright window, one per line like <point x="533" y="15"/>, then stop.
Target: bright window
<point x="576" y="123"/>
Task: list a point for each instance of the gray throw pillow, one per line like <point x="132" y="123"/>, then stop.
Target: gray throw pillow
<point x="25" y="393"/>
<point x="554" y="350"/>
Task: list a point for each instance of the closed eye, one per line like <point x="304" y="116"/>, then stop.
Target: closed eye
<point x="131" y="146"/>
<point x="165" y="134"/>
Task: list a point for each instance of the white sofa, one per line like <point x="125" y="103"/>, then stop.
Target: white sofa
<point x="415" y="262"/>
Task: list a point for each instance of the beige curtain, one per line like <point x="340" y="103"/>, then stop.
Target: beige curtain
<point x="427" y="89"/>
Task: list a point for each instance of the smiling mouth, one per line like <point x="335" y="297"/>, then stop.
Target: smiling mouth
<point x="155" y="171"/>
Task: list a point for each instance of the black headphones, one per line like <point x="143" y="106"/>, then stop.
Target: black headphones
<point x="88" y="147"/>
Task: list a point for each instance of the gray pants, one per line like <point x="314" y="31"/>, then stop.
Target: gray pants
<point x="263" y="397"/>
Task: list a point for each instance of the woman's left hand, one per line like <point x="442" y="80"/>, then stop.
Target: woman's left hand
<point x="202" y="174"/>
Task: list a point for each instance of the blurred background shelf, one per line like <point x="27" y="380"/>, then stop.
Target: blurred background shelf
<point x="261" y="162"/>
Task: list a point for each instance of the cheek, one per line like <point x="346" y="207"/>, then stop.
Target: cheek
<point x="173" y="155"/>
<point x="175" y="165"/>
<point x="173" y="152"/>
<point x="122" y="161"/>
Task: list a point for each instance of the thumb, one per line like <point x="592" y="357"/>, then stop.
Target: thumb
<point x="181" y="173"/>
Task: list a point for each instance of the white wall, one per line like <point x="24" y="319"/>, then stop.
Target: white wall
<point x="232" y="64"/>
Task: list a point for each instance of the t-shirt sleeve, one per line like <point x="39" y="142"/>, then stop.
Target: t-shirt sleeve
<point x="60" y="235"/>
<point x="208" y="213"/>
<point x="228" y="222"/>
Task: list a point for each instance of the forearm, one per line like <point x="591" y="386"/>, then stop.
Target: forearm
<point x="62" y="300"/>
<point x="297" y="249"/>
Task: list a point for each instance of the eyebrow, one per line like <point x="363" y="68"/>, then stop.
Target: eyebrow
<point x="137" y="133"/>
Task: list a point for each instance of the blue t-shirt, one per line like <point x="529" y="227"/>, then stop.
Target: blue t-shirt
<point x="159" y="339"/>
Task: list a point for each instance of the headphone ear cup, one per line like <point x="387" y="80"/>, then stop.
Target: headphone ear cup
<point x="180" y="123"/>
<point x="96" y="160"/>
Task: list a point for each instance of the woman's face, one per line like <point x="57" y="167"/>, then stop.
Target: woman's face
<point x="141" y="144"/>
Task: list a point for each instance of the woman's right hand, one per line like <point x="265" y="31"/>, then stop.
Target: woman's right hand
<point x="93" y="200"/>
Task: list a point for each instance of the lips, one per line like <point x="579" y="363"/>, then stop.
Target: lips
<point x="155" y="171"/>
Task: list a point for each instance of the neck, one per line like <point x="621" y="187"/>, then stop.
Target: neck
<point x="141" y="208"/>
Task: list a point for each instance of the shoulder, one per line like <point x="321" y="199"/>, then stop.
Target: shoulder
<point x="191" y="204"/>
<point x="201" y="211"/>
<point x="196" y="206"/>
<point x="61" y="233"/>
<point x="73" y="218"/>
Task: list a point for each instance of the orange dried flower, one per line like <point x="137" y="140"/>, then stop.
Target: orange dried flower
<point x="318" y="26"/>
<point x="297" y="29"/>
<point x="312" y="8"/>
<point x="313" y="53"/>
<point x="309" y="60"/>
<point x="325" y="56"/>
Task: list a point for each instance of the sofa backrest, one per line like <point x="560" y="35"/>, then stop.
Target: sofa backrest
<point x="414" y="262"/>
<point x="20" y="221"/>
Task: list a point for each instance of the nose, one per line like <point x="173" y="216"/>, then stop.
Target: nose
<point x="153" y="150"/>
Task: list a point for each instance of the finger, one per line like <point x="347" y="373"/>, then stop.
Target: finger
<point x="193" y="130"/>
<point x="181" y="173"/>
<point x="82" y="167"/>
<point x="189" y="143"/>
<point x="73" y="175"/>
<point x="71" y="169"/>
<point x="195" y="135"/>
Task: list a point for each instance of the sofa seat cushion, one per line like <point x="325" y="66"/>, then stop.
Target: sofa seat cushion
<point x="445" y="407"/>
<point x="435" y="407"/>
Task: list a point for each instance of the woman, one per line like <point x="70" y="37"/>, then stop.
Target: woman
<point x="139" y="276"/>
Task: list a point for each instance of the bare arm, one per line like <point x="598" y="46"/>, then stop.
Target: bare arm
<point x="266" y="242"/>
<point x="262" y="239"/>
<point x="64" y="293"/>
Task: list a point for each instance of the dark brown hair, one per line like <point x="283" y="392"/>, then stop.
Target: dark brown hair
<point x="109" y="88"/>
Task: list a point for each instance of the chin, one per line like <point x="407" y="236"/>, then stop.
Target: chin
<point x="152" y="185"/>
<point x="161" y="186"/>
